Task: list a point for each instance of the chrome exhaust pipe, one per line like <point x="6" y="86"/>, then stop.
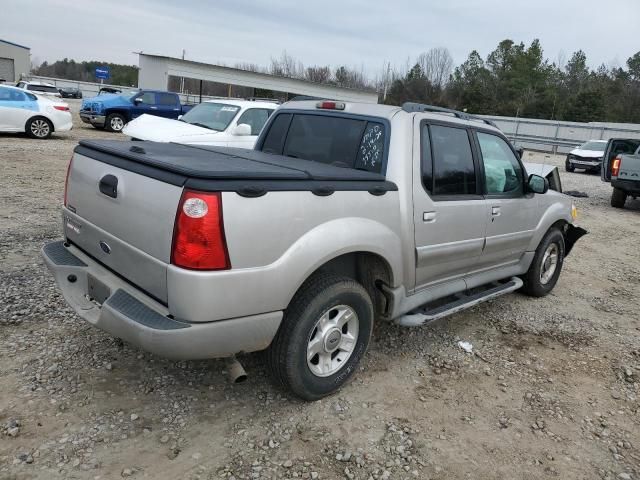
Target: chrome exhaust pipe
<point x="235" y="371"/>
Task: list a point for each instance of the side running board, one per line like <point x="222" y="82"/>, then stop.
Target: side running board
<point x="460" y="301"/>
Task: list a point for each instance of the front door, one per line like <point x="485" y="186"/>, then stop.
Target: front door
<point x="512" y="214"/>
<point x="449" y="209"/>
<point x="144" y="102"/>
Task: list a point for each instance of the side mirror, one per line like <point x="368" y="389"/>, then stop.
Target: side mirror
<point x="137" y="100"/>
<point x="179" y="117"/>
<point x="537" y="184"/>
<point x="242" y="130"/>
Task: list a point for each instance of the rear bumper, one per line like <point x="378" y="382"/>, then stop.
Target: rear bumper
<point x="631" y="187"/>
<point x="133" y="316"/>
<point x="97" y="120"/>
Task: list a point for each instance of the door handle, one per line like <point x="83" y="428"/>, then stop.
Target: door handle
<point x="495" y="211"/>
<point x="153" y="108"/>
<point x="429" y="217"/>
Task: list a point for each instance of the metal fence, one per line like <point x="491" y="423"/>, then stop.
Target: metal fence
<point x="91" y="89"/>
<point x="560" y="137"/>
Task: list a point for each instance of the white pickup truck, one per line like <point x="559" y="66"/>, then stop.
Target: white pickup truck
<point x="344" y="214"/>
<point x="220" y="122"/>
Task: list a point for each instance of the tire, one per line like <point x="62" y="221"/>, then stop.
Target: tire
<point x="568" y="167"/>
<point x="39" y="127"/>
<point x="325" y="298"/>
<point x="618" y="198"/>
<point x="539" y="279"/>
<point x="114" y="122"/>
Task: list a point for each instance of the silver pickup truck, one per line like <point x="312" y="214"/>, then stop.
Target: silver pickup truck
<point x="621" y="167"/>
<point x="343" y="214"/>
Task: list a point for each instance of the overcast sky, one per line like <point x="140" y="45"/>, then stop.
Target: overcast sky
<point x="353" y="32"/>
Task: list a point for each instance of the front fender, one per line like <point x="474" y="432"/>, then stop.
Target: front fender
<point x="558" y="209"/>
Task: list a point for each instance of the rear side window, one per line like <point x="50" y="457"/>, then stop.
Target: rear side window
<point x="453" y="169"/>
<point x="42" y="88"/>
<point x="339" y="141"/>
<point x="165" y="99"/>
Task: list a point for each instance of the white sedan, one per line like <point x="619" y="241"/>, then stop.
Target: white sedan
<point x="224" y="123"/>
<point x="39" y="117"/>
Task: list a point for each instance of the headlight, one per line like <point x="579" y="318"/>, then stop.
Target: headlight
<point x="574" y="212"/>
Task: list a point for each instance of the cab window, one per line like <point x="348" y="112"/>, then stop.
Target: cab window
<point x="255" y="118"/>
<point x="447" y="161"/>
<point x="502" y="171"/>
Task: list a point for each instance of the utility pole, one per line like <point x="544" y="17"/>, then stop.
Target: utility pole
<point x="182" y="78"/>
<point x="386" y="81"/>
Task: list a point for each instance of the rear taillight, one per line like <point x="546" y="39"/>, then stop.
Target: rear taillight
<point x="66" y="181"/>
<point x="62" y="108"/>
<point x="198" y="237"/>
<point x="615" y="166"/>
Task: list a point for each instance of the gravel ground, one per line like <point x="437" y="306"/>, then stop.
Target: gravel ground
<point x="553" y="390"/>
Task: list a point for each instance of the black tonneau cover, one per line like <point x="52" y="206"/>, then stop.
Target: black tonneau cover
<point x="249" y="172"/>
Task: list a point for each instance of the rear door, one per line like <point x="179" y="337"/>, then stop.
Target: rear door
<point x="449" y="209"/>
<point x="16" y="107"/>
<point x="168" y="105"/>
<point x="512" y="214"/>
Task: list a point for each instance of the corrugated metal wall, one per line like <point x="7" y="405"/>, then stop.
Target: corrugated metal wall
<point x="560" y="137"/>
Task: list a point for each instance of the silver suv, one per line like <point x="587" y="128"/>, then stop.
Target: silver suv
<point x="343" y="214"/>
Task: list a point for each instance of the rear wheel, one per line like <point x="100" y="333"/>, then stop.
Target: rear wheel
<point x="618" y="198"/>
<point x="545" y="268"/>
<point x="39" y="127"/>
<point x="114" y="122"/>
<point x="324" y="333"/>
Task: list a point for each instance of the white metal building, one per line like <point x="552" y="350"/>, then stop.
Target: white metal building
<point x="15" y="60"/>
<point x="155" y="70"/>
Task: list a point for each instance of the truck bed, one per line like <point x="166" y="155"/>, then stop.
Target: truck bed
<point x="247" y="172"/>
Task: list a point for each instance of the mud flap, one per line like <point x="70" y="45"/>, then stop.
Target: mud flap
<point x="571" y="235"/>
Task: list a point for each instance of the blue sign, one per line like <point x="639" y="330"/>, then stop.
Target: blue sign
<point x="103" y="73"/>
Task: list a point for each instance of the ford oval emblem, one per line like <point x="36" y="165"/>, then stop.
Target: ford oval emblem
<point x="105" y="247"/>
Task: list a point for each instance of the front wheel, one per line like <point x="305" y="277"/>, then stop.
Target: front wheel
<point x="618" y="198"/>
<point x="114" y="122"/>
<point x="324" y="333"/>
<point x="568" y="166"/>
<point x="39" y="128"/>
<point x="545" y="268"/>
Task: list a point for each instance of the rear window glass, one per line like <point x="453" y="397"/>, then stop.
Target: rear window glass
<point x="42" y="88"/>
<point x="339" y="141"/>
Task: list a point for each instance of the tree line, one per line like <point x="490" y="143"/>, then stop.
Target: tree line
<point x="513" y="80"/>
<point x="125" y="75"/>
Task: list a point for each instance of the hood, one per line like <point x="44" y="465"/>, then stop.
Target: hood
<point x="538" y="168"/>
<point x="158" y="129"/>
<point x="586" y="153"/>
<point x="108" y="100"/>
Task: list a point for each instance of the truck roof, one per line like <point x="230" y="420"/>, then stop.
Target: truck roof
<point x="390" y="111"/>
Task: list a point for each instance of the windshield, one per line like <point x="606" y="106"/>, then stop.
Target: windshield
<point x="594" y="146"/>
<point x="216" y="116"/>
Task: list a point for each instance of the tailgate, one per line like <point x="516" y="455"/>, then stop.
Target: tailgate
<point x="123" y="219"/>
<point x="630" y="168"/>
